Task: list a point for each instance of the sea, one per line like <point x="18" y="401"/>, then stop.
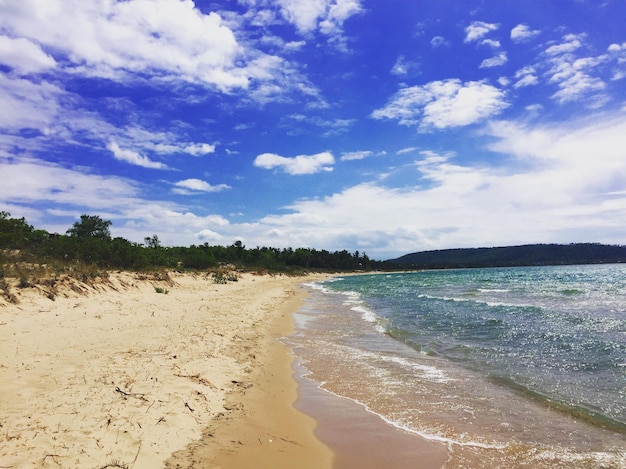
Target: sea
<point x="508" y="367"/>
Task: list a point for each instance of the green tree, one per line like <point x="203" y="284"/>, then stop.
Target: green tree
<point x="152" y="241"/>
<point x="90" y="226"/>
<point x="14" y="232"/>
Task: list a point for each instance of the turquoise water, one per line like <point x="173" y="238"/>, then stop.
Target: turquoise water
<point x="514" y="366"/>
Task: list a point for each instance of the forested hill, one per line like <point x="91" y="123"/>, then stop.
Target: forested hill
<point x="526" y="255"/>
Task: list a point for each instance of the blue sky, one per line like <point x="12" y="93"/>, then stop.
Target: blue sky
<point x="386" y="127"/>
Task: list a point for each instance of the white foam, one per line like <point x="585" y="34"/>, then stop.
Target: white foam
<point x="429" y="372"/>
<point x="420" y="433"/>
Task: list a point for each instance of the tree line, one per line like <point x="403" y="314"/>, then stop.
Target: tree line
<point x="512" y="256"/>
<point x="89" y="241"/>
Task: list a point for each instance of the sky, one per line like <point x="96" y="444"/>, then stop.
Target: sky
<point x="383" y="126"/>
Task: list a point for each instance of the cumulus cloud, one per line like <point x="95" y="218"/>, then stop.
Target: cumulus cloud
<point x="495" y="61"/>
<point x="522" y="32"/>
<point x="134" y="158"/>
<point x="301" y="164"/>
<point x="189" y="186"/>
<point x="479" y="29"/>
<point x="526" y="76"/>
<point x="118" y="40"/>
<point x="491" y="43"/>
<point x="444" y="104"/>
<point x="326" y="15"/>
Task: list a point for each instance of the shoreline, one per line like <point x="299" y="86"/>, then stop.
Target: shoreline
<point x="361" y="439"/>
<point x="265" y="430"/>
<point x="153" y="372"/>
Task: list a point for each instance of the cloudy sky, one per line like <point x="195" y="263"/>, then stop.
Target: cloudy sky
<point x="384" y="126"/>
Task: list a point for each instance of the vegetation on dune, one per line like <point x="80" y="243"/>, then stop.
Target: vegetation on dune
<point x="88" y="244"/>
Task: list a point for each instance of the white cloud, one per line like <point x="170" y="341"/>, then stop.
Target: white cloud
<point x="526" y="76"/>
<point x="495" y="61"/>
<point x="172" y="40"/>
<point x="304" y="15"/>
<point x="491" y="43"/>
<point x="338" y="12"/>
<point x="576" y="85"/>
<point x="522" y="32"/>
<point x="617" y="53"/>
<point x="404" y="67"/>
<point x="570" y="43"/>
<point x="302" y="164"/>
<point x="30" y="180"/>
<point x="192" y="185"/>
<point x="570" y="188"/>
<point x="439" y="41"/>
<point x="24" y="56"/>
<point x="534" y="107"/>
<point x="53" y="189"/>
<point x="444" y="104"/>
<point x="194" y="149"/>
<point x="479" y="29"/>
<point x="28" y="105"/>
<point x="327" y="16"/>
<point x="584" y="160"/>
<point x="134" y="158"/>
<point x="198" y="149"/>
<point x="573" y="76"/>
<point x="356" y="155"/>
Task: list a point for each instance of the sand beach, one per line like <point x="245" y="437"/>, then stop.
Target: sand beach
<point x="119" y="375"/>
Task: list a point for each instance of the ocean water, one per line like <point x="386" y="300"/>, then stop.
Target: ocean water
<point x="510" y="367"/>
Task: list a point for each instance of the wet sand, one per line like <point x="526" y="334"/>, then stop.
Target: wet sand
<point x="361" y="439"/>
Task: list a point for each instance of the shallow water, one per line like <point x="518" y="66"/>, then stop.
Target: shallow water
<point x="519" y="367"/>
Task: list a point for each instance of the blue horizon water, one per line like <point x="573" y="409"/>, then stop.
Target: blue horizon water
<point x="482" y="358"/>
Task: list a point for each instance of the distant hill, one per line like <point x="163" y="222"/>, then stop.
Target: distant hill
<point x="526" y="255"/>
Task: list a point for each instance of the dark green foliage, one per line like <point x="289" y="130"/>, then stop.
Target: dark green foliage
<point x="90" y="226"/>
<point x="527" y="255"/>
<point x="16" y="233"/>
<point x="89" y="242"/>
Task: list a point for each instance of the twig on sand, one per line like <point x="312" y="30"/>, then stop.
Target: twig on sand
<point x="136" y="395"/>
<point x="291" y="442"/>
<point x="198" y="379"/>
<point x="115" y="464"/>
<point x="162" y="419"/>
<point x="137" y="455"/>
<point x="53" y="456"/>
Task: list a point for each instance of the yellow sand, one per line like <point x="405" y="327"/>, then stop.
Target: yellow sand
<point x="122" y="376"/>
